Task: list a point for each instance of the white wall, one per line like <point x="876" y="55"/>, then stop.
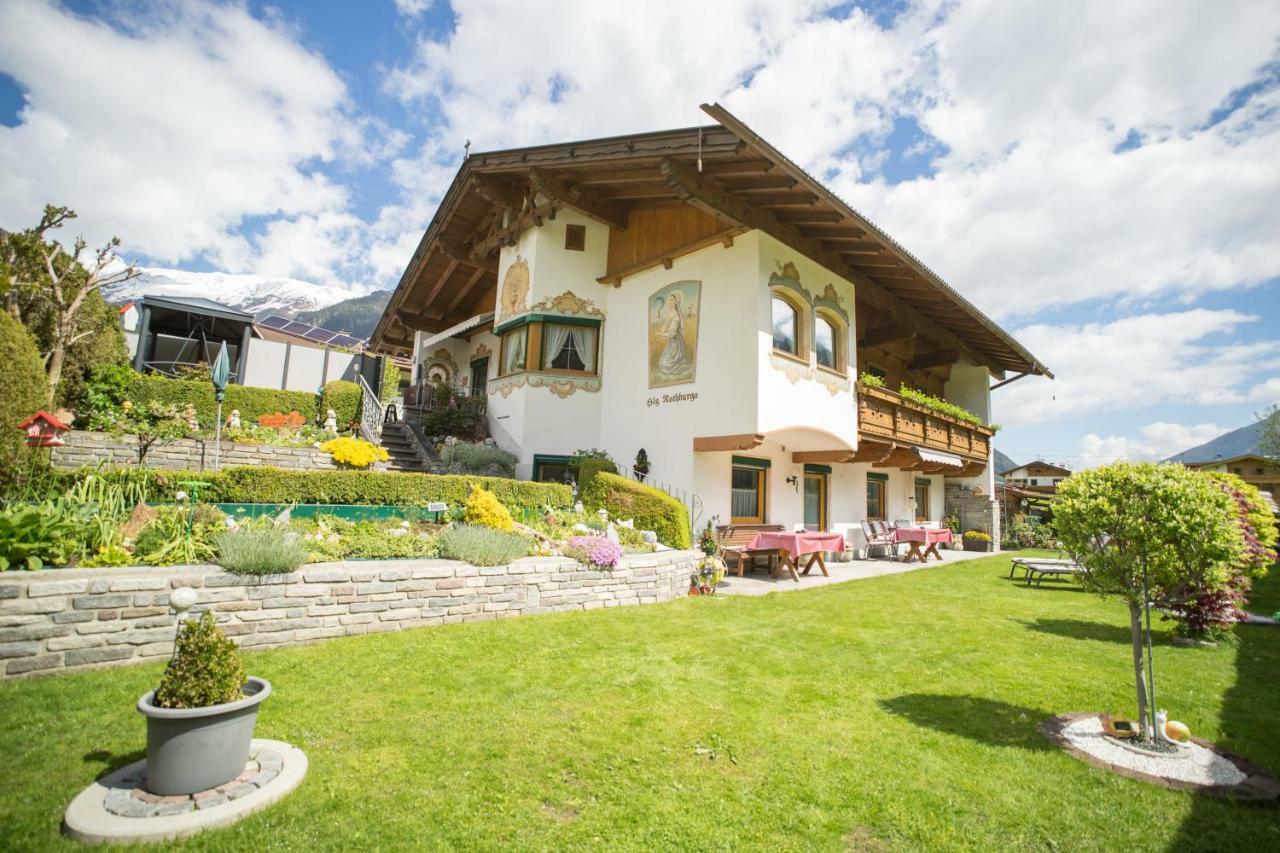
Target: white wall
<point x="633" y="415"/>
<point x="808" y="404"/>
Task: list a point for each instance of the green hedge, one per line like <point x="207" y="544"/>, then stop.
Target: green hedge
<point x="278" y="485"/>
<point x="252" y="403"/>
<point x="344" y="398"/>
<point x="650" y="508"/>
<point x="588" y="467"/>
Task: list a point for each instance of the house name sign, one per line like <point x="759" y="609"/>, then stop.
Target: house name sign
<point x="672" y="398"/>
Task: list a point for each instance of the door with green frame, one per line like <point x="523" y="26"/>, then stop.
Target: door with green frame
<point x="815" y="497"/>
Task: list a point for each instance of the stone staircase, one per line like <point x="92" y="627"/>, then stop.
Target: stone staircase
<point x="405" y="451"/>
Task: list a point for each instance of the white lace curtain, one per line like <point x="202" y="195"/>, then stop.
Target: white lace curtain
<point x="557" y="337"/>
<point x="582" y="338"/>
<point x="584" y="341"/>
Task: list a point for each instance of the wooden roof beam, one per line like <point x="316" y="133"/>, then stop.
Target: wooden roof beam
<point x="465" y="289"/>
<point x="717" y="443"/>
<point x="936" y="358"/>
<point x="498" y="192"/>
<point x="586" y="202"/>
<point x="887" y="335"/>
<point x="707" y="195"/>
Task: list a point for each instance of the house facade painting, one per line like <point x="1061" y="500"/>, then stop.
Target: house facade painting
<point x="696" y="294"/>
<point x="673" y="334"/>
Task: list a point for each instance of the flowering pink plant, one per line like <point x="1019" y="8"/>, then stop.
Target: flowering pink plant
<point x="597" y="551"/>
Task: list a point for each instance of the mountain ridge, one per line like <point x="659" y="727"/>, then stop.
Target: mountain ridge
<point x="256" y="294"/>
<point x="1237" y="442"/>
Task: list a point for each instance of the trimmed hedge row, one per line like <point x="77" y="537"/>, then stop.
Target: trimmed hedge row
<point x="343" y="397"/>
<point x="278" y="485"/>
<point x="652" y="509"/>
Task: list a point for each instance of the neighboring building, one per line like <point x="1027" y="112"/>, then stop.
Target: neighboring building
<point x="1253" y="469"/>
<point x="696" y="294"/>
<point x="1037" y="476"/>
<point x="173" y="333"/>
<point x="129" y="317"/>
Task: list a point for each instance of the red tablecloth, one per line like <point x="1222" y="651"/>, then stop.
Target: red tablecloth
<point x="926" y="535"/>
<point x="797" y="544"/>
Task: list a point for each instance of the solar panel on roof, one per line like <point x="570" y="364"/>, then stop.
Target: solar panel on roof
<point x="345" y="341"/>
<point x="296" y="328"/>
<point x="319" y="335"/>
<point x="274" y="321"/>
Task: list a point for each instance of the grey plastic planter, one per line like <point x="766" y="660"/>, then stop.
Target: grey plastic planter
<point x="194" y="749"/>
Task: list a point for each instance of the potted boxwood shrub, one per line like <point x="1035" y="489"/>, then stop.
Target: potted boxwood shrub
<point x="200" y="719"/>
<point x="976" y="540"/>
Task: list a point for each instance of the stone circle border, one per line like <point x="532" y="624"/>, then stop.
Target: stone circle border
<point x="88" y="821"/>
<point x="1257" y="786"/>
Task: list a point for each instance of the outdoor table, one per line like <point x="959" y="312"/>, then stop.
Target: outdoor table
<point x="792" y="546"/>
<point x="931" y="537"/>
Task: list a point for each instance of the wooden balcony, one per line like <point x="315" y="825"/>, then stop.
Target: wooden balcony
<point x="884" y="416"/>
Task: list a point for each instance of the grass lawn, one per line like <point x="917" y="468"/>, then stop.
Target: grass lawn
<point x="892" y="713"/>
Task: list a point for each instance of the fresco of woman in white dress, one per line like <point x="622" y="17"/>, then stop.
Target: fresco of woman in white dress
<point x="673" y="334"/>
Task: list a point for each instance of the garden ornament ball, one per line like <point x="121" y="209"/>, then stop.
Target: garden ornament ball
<point x="182" y="599"/>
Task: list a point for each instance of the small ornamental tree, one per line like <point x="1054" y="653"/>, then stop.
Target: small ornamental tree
<point x="205" y="669"/>
<point x="1147" y="533"/>
<point x="154" y="423"/>
<point x="1269" y="440"/>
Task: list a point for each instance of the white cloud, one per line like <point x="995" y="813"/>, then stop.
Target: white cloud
<point x="1030" y="205"/>
<point x="412" y="8"/>
<point x="1136" y="362"/>
<point x="169" y="127"/>
<point x="1156" y="441"/>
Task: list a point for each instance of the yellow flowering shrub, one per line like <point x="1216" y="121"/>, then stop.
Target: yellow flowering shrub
<point x="484" y="509"/>
<point x="354" y="452"/>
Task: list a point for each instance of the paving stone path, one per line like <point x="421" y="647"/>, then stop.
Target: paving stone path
<point x="131" y="798"/>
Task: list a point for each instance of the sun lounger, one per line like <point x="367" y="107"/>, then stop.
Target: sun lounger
<point x="1036" y="569"/>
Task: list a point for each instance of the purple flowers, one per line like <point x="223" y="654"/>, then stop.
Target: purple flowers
<point x="596" y="551"/>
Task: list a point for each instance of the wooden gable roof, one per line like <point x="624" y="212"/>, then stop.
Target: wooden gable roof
<point x="724" y="170"/>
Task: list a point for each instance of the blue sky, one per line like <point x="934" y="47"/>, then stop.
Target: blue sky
<point x="1101" y="178"/>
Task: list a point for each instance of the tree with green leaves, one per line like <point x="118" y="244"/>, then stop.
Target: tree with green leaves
<point x="22" y="392"/>
<point x="57" y="295"/>
<point x="1146" y="533"/>
<point x="1269" y="441"/>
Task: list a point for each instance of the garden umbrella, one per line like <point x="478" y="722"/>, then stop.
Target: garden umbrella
<point x="219" y="373"/>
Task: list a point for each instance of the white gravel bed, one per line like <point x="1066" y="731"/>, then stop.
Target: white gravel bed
<point x="1200" y="767"/>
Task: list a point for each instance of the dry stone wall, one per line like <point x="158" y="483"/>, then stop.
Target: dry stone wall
<point x="58" y="619"/>
<point x="84" y="447"/>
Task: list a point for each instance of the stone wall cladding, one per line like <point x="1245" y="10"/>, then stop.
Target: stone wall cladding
<point x="84" y="447"/>
<point x="61" y="619"/>
<point x="976" y="512"/>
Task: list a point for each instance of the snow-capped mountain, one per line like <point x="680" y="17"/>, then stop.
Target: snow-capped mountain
<point x="256" y="294"/>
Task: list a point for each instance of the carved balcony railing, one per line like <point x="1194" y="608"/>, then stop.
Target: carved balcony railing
<point x="884" y="415"/>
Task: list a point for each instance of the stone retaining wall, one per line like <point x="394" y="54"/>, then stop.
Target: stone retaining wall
<point x="84" y="447"/>
<point x="58" y="619"/>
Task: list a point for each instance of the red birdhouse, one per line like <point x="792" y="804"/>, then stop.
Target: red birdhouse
<point x="44" y="430"/>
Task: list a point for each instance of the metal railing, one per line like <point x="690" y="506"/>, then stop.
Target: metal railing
<point x="181" y="369"/>
<point x="423" y="400"/>
<point x="372" y="412"/>
<point x="692" y="500"/>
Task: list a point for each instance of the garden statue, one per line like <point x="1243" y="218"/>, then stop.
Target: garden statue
<point x="331" y="422"/>
<point x="233" y="420"/>
<point x="577" y="507"/>
<point x="611" y="533"/>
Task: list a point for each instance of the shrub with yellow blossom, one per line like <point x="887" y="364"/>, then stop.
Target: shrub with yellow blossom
<point x="354" y="452"/>
<point x="484" y="509"/>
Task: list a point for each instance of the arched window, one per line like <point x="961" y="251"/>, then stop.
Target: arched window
<point x="826" y="342"/>
<point x="786" y="326"/>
